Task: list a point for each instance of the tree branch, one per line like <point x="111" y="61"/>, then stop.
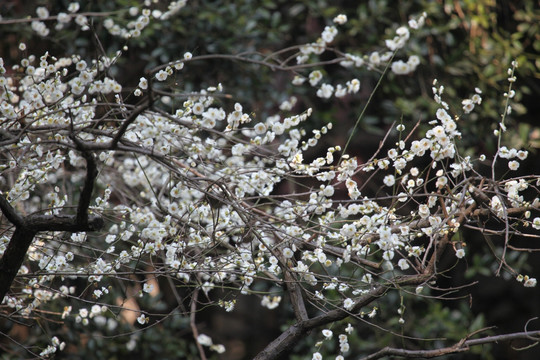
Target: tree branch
<point x="67" y="223"/>
<point x="13" y="257"/>
<point x="290" y="337"/>
<point x="193" y="324"/>
<point x="337" y="251"/>
<point x="88" y="189"/>
<point x="26" y="228"/>
<point x="130" y="119"/>
<point x="9" y="212"/>
<point x="461" y="346"/>
<point x="296" y="296"/>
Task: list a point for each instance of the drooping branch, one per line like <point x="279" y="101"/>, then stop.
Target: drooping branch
<point x="245" y="58"/>
<point x="290" y="337"/>
<point x="302" y="327"/>
<point x="54" y="17"/>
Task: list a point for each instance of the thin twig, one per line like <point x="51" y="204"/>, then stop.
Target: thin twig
<point x="192" y="323"/>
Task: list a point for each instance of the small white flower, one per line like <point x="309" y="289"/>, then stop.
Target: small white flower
<point x="143" y="83"/>
<point x="287" y="253"/>
<point x="198" y="108"/>
<point x="389" y="180"/>
<point x="298" y="80"/>
<point x="340" y="19"/>
<point x="348" y="304"/>
<point x="522" y="154"/>
<point x="219" y="348"/>
<point x="63" y="18"/>
<point x="204" y="340"/>
<point x="325" y="91"/>
<point x="148" y="288"/>
<point x="260" y="128"/>
<point x="42" y="12"/>
<point x="142" y="319"/>
<point x="441" y="182"/>
<point x="468" y="105"/>
<point x="400" y="68"/>
<point x="536" y="223"/>
<point x="513" y="165"/>
<point x="73" y="7"/>
<point x="403" y="264"/>
<point x="315" y="77"/>
<point x="423" y="211"/>
<point x="413" y="62"/>
<point x="328" y="191"/>
<point x="327" y="333"/>
<point x="460" y="253"/>
<point x="162" y="75"/>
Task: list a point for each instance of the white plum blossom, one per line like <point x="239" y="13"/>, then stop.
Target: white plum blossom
<point x="348" y="304"/>
<point x="327" y="333"/>
<point x="162" y="75"/>
<point x="400" y="68"/>
<point x="513" y="165"/>
<point x="142" y="319"/>
<point x="403" y="264"/>
<point x="340" y="19"/>
<point x="325" y="91"/>
<point x="148" y="288"/>
<point x="204" y="340"/>
<point x="389" y="180"/>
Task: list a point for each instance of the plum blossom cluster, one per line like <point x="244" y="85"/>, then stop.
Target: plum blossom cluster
<point x="62" y="19"/>
<point x="206" y="340"/>
<point x="343" y="339"/>
<point x="372" y="61"/>
<point x="122" y="28"/>
<point x="193" y="191"/>
<point x="53" y="347"/>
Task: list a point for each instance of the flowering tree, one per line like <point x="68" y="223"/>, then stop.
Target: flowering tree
<point x="112" y="194"/>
